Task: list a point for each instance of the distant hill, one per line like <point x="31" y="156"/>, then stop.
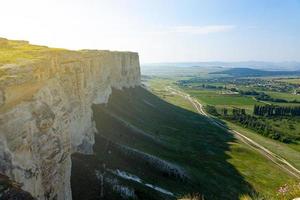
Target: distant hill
<point x="288" y="65"/>
<point x="248" y="72"/>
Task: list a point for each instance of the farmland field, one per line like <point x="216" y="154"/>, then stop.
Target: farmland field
<point x="290" y="80"/>
<point x="239" y="157"/>
<point x="220" y="99"/>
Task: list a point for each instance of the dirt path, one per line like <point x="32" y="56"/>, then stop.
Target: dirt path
<point x="278" y="160"/>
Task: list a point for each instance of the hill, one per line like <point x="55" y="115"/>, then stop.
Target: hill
<point x="248" y="72"/>
<point x="153" y="149"/>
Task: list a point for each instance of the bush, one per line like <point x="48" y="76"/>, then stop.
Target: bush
<point x="288" y="192"/>
<point x="192" y="197"/>
<point x="211" y="110"/>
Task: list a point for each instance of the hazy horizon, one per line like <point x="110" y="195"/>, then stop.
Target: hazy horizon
<point x="189" y="31"/>
<point x="221" y="61"/>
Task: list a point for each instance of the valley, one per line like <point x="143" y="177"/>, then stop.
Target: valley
<point x="217" y="94"/>
<point x="207" y="154"/>
<point x="91" y="119"/>
<point x="150" y="100"/>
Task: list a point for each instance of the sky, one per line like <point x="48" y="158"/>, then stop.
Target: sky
<point x="161" y="30"/>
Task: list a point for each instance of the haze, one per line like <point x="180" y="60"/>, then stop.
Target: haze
<point x="161" y="30"/>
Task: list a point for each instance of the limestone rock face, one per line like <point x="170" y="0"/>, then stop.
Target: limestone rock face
<point x="46" y="115"/>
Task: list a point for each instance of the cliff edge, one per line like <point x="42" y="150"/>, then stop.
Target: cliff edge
<point x="46" y="97"/>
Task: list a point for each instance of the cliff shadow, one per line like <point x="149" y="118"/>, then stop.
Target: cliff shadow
<point x="135" y="124"/>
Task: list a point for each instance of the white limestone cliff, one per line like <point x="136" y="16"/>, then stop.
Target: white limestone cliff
<point x="46" y="115"/>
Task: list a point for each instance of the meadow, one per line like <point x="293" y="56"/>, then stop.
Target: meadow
<point x="291" y="125"/>
<point x="164" y="125"/>
<point x="18" y="51"/>
<point x="282" y="95"/>
<point x="239" y="157"/>
<point x="290" y="80"/>
<point x="218" y="92"/>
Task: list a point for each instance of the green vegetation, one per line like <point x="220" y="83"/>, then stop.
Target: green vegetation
<point x="288" y="97"/>
<point x="15" y="51"/>
<point x="248" y="72"/>
<point x="286" y="125"/>
<point x="222" y="98"/>
<point x="245" y="93"/>
<point x="261" y="96"/>
<point x="289" y="80"/>
<point x="258" y="124"/>
<point x="213" y="111"/>
<point x="232" y="100"/>
<point x="274" y="110"/>
<point x="285" y="150"/>
<point x="137" y="119"/>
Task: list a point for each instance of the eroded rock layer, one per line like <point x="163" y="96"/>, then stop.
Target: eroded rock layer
<point x="46" y="115"/>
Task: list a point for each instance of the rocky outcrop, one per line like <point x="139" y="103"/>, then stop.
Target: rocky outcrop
<point x="46" y="115"/>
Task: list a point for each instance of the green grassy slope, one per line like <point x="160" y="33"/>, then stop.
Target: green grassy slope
<point x="283" y="124"/>
<point x="16" y="51"/>
<point x="215" y="164"/>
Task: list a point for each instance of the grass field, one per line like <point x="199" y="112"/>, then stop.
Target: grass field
<point x="215" y="97"/>
<point x="241" y="157"/>
<point x="222" y="98"/>
<point x="288" y="125"/>
<point x="290" y="80"/>
<point x="219" y="100"/>
<point x="159" y="88"/>
<point x="288" y="151"/>
<point x="15" y="51"/>
<point x="286" y="96"/>
<point x="216" y="163"/>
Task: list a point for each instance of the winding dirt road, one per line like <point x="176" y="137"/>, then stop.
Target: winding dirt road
<point x="275" y="158"/>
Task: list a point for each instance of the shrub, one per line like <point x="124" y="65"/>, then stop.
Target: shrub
<point x="192" y="197"/>
<point x="289" y="191"/>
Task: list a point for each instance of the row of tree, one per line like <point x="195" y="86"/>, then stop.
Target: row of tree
<point x="274" y="110"/>
<point x="261" y="96"/>
<point x="211" y="110"/>
<point x="257" y="124"/>
<point x="265" y="97"/>
<point x="235" y="111"/>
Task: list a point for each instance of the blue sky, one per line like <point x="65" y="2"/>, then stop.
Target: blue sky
<point x="161" y="30"/>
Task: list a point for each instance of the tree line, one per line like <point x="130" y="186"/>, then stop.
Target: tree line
<point x="258" y="124"/>
<point x="274" y="110"/>
<point x="261" y="96"/>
